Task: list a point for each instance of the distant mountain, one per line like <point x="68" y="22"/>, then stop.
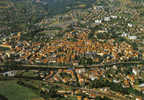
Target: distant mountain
<point x="54" y="7"/>
<point x="62" y="6"/>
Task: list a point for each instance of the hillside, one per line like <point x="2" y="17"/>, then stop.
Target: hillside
<point x="68" y="49"/>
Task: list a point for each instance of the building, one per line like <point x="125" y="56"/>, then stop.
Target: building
<point x="114" y="17"/>
<point x="9" y="73"/>
<point x="107" y="19"/>
<point x="124" y="34"/>
<point x="130" y="25"/>
<point x="98" y="21"/>
<point x="132" y="37"/>
<point x="139" y="98"/>
<point x="141" y="85"/>
<point x="135" y="71"/>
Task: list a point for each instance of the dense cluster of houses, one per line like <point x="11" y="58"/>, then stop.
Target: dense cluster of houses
<point x="68" y="50"/>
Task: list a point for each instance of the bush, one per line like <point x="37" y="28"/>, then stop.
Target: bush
<point x="100" y="98"/>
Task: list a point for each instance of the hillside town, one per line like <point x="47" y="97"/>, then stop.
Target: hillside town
<point x="93" y="54"/>
<point x="105" y="46"/>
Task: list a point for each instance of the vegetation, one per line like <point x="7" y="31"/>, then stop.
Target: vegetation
<point x="100" y="98"/>
<point x="13" y="91"/>
<point x="21" y="17"/>
<point x="114" y="86"/>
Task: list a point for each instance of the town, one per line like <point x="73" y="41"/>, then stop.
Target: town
<point x="94" y="54"/>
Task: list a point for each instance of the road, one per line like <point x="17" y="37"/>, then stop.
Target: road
<point x="53" y="67"/>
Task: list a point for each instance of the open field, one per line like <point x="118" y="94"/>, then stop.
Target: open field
<point x="13" y="91"/>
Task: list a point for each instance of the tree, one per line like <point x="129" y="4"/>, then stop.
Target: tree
<point x="22" y="17"/>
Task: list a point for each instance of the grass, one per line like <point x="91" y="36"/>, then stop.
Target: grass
<point x="13" y="91"/>
<point x="29" y="73"/>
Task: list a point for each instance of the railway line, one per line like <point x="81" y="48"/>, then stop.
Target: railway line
<point x="52" y="67"/>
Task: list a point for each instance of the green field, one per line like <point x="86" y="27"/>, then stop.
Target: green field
<point x="13" y="91"/>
